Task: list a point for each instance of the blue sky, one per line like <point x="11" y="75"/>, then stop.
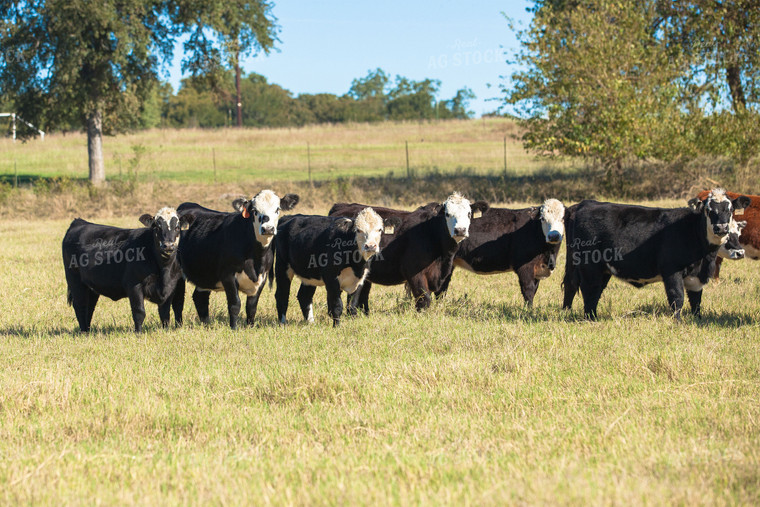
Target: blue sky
<point x="326" y="44"/>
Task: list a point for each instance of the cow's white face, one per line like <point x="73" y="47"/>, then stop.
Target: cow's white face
<point x="368" y="227"/>
<point x="458" y="212"/>
<point x="719" y="211"/>
<point x="552" y="215"/>
<point x="265" y="208"/>
<point x="732" y="249"/>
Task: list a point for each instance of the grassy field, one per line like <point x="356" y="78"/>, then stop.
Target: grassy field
<point x="281" y="154"/>
<point x="476" y="401"/>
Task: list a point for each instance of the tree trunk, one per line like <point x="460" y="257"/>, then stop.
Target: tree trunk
<point x="237" y="88"/>
<point x="734" y="78"/>
<point x="95" y="147"/>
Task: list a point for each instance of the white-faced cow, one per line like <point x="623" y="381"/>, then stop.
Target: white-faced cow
<point x="750" y="235"/>
<point x="332" y="251"/>
<point x="696" y="276"/>
<point x="421" y="251"/>
<point x="525" y="241"/>
<point x="641" y="245"/>
<point x="230" y="252"/>
<point x="100" y="260"/>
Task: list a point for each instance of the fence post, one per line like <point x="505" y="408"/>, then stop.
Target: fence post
<point x="505" y="157"/>
<point x="213" y="158"/>
<point x="408" y="172"/>
<point x="308" y="160"/>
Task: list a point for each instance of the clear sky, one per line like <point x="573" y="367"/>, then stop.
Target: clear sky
<point x="325" y="44"/>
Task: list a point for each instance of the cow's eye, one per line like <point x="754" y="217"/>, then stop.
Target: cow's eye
<point x="277" y="211"/>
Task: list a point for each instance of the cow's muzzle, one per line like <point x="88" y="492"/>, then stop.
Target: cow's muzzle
<point x="460" y="233"/>
<point x="268" y="230"/>
<point x="720" y="229"/>
<point x="736" y="254"/>
<point x="553" y="237"/>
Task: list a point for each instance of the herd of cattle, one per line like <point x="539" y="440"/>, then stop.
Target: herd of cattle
<point x="356" y="246"/>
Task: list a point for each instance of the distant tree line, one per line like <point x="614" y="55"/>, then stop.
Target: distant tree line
<point x="211" y="102"/>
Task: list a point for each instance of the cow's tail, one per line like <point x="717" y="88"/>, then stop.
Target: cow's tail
<point x="69" y="298"/>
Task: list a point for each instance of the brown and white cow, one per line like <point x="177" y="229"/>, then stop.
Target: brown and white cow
<point x="750" y="236"/>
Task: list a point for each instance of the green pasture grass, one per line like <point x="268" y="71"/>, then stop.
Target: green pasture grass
<point x="476" y="401"/>
<point x="190" y="155"/>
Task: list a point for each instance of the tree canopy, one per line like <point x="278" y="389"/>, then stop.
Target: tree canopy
<point x="72" y="62"/>
<point x="614" y="80"/>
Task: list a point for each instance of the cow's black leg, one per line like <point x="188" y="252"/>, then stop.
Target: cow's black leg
<point x="282" y="293"/>
<point x="695" y="301"/>
<point x="251" y="304"/>
<point x="420" y="292"/>
<point x="444" y="286"/>
<point x="334" y="304"/>
<point x="528" y="283"/>
<point x="351" y="301"/>
<point x="362" y="300"/>
<point x="233" y="299"/>
<point x="200" y="299"/>
<point x="305" y="300"/>
<point x="592" y="284"/>
<point x="570" y="282"/>
<point x="674" y="293"/>
<point x="164" y="312"/>
<point x="136" y="301"/>
<point x="92" y="300"/>
<point x="79" y="300"/>
<point x="178" y="301"/>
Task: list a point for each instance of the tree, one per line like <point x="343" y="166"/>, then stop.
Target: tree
<point x="456" y="107"/>
<point x="95" y="64"/>
<point x="598" y="83"/>
<point x="412" y="100"/>
<point x="655" y="78"/>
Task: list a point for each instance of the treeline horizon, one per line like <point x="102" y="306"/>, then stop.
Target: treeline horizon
<point x="209" y="101"/>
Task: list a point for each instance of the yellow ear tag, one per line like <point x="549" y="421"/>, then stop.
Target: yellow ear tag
<point x="184" y="227"/>
<point x="739" y="211"/>
<point x="477" y="214"/>
<point x="389" y="229"/>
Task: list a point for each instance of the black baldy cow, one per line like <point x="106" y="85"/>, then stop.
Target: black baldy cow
<point x="101" y="260"/>
<point x="641" y="245"/>
<point x="525" y="241"/>
<point x="230" y="252"/>
<point x="696" y="276"/>
<point x="330" y="251"/>
<point x="421" y="250"/>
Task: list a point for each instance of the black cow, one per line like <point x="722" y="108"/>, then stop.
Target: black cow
<point x="421" y="251"/>
<point x="640" y="245"/>
<point x="230" y="252"/>
<point x="100" y="260"/>
<point x="525" y="241"/>
<point x="330" y="251"/>
<point x="696" y="276"/>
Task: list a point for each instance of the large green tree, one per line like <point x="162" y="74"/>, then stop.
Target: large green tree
<point x="95" y="63"/>
<point x="669" y="79"/>
<point x="596" y="82"/>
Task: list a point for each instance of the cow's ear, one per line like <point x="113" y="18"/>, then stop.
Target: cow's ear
<point x="535" y="212"/>
<point x="185" y="221"/>
<point x="696" y="204"/>
<point x="478" y="208"/>
<point x="741" y="202"/>
<point x="344" y="224"/>
<point x="289" y="201"/>
<point x="242" y="205"/>
<point x="390" y="224"/>
<point x="146" y="220"/>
